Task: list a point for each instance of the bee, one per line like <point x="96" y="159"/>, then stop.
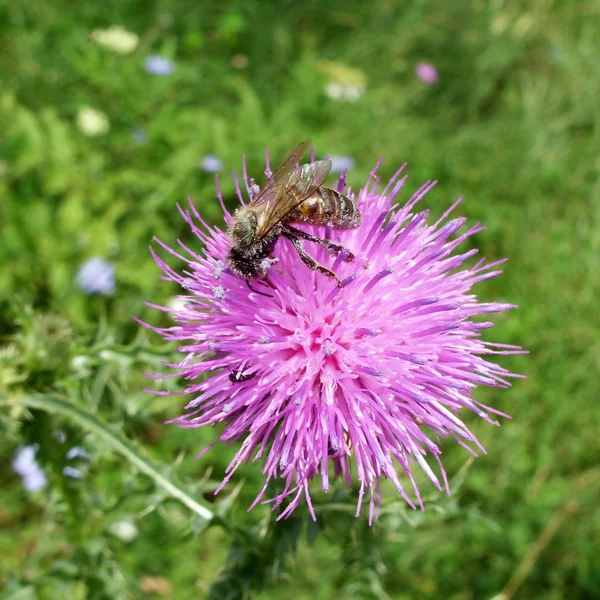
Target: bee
<point x="292" y="194"/>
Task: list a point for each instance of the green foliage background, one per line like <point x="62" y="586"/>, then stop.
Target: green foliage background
<point x="512" y="125"/>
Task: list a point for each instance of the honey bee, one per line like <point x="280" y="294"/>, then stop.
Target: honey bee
<point x="292" y="194"/>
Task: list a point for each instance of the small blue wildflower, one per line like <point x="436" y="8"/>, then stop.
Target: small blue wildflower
<point x="554" y="54"/>
<point x="139" y="136"/>
<point x="72" y="472"/>
<point x="25" y="465"/>
<point x="211" y="164"/>
<point x="96" y="276"/>
<point x="340" y="163"/>
<point x="159" y="65"/>
<point x="77" y="452"/>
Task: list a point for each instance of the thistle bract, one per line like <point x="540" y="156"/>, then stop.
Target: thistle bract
<point x="359" y="382"/>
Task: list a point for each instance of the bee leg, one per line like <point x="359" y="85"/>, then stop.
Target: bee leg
<point x="327" y="244"/>
<point x="256" y="291"/>
<point x="266" y="282"/>
<point x="307" y="259"/>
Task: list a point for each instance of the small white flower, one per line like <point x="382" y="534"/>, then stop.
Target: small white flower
<point x="116" y="38"/>
<point x="353" y="92"/>
<point x="344" y="92"/>
<point x="125" y="530"/>
<point x="79" y="364"/>
<point x="334" y="90"/>
<point x="92" y="122"/>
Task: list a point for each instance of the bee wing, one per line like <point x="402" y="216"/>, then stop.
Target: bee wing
<point x="281" y="175"/>
<point x="292" y="190"/>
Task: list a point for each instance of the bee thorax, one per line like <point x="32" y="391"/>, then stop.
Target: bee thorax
<point x="250" y="250"/>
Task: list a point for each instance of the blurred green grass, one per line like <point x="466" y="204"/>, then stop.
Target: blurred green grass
<point x="511" y="126"/>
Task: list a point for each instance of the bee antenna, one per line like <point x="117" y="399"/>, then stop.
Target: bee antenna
<point x="256" y="291"/>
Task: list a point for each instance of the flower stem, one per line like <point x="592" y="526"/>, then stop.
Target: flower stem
<point x="93" y="424"/>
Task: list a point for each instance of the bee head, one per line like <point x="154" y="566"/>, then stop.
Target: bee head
<point x="247" y="266"/>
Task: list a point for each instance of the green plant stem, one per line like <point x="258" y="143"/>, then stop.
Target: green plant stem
<point x="93" y="424"/>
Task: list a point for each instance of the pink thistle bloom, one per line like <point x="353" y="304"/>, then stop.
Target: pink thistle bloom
<point x="312" y="377"/>
<point x="426" y="72"/>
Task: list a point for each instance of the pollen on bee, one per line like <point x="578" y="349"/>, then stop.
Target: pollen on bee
<point x="267" y="263"/>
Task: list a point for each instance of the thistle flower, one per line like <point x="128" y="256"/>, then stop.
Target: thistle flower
<point x="426" y="72"/>
<point x="310" y="377"/>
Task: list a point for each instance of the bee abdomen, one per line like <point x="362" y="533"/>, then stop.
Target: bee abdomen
<point x="327" y="207"/>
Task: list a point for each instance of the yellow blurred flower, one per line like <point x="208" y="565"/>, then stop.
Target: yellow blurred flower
<point x="116" y="38"/>
<point x="92" y="122"/>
